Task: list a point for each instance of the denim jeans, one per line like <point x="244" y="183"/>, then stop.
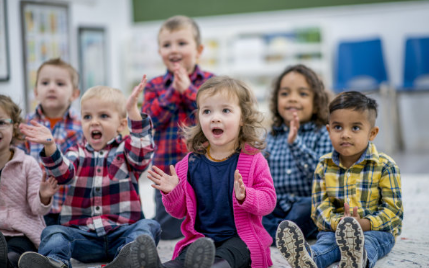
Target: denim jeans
<point x="299" y="214"/>
<point x="326" y="251"/>
<point x="62" y="243"/>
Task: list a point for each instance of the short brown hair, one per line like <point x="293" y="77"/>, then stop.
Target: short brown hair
<point x="320" y="101"/>
<point x="108" y="94"/>
<point x="13" y="110"/>
<point x="251" y="133"/>
<point x="179" y="22"/>
<point x="62" y="64"/>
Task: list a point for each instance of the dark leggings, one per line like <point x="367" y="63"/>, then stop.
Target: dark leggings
<point x="233" y="250"/>
<point x="17" y="245"/>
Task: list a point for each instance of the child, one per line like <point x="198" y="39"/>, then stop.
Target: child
<point x="24" y="196"/>
<point x="56" y="88"/>
<point x="223" y="186"/>
<point x="170" y="101"/>
<point x="297" y="139"/>
<point x="353" y="176"/>
<point x="102" y="213"/>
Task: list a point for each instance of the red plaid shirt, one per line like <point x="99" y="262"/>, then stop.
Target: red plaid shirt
<point x="103" y="190"/>
<point x="169" y="109"/>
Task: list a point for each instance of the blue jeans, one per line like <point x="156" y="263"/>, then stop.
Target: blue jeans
<point x="62" y="242"/>
<point x="326" y="251"/>
<point x="300" y="214"/>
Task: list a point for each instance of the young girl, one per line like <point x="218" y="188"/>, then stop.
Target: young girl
<point x="223" y="186"/>
<point x="298" y="137"/>
<point x="24" y="196"/>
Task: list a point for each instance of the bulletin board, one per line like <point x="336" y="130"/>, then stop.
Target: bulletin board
<point x="45" y="35"/>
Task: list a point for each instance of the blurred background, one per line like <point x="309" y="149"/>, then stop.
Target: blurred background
<point x="380" y="47"/>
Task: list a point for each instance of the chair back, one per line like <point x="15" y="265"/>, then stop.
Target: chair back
<point x="416" y="64"/>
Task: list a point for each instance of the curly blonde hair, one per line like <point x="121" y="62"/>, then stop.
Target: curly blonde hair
<point x="252" y="132"/>
<point x="13" y="110"/>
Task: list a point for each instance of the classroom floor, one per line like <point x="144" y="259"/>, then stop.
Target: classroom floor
<point x="412" y="246"/>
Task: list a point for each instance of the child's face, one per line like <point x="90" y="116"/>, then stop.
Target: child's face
<point x="350" y="132"/>
<point x="220" y="119"/>
<point x="6" y="131"/>
<point x="54" y="90"/>
<point x="179" y="48"/>
<point x="100" y="122"/>
<point x="295" y="96"/>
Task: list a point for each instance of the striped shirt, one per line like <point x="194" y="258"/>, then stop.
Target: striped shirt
<point x="373" y="184"/>
<point x="169" y="109"/>
<point x="103" y="190"/>
<point x="292" y="165"/>
<point x="67" y="133"/>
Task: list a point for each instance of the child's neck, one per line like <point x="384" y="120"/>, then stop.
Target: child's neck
<point x="5" y="156"/>
<point x="57" y="113"/>
<point x="219" y="153"/>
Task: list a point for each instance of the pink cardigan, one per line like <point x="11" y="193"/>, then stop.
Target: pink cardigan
<point x="260" y="200"/>
<point x="21" y="211"/>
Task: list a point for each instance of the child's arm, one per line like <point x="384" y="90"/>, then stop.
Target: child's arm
<point x="47" y="189"/>
<point x="139" y="149"/>
<point x="34" y="176"/>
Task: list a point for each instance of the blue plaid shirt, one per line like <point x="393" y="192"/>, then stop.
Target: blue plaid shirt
<point x="292" y="165"/>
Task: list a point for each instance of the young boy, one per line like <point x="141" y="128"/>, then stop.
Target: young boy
<point x="102" y="213"/>
<point x="56" y="88"/>
<point x="356" y="201"/>
<point x="170" y="101"/>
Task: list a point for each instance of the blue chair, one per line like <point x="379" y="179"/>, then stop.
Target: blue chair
<point x="359" y="66"/>
<point x="416" y="64"/>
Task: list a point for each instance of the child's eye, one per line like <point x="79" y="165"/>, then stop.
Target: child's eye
<point x="86" y="117"/>
<point x="2" y="123"/>
<point x="166" y="45"/>
<point x="183" y="43"/>
<point x="226" y="110"/>
<point x="104" y="116"/>
<point x="284" y="94"/>
<point x="45" y="83"/>
<point x="338" y="127"/>
<point x="304" y="94"/>
<point x="206" y="111"/>
<point x="355" y="128"/>
<point x="60" y="84"/>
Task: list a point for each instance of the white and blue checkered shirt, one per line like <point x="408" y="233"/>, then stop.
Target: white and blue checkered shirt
<point x="292" y="165"/>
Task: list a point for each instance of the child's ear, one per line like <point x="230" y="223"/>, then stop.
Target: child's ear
<point x="373" y="133"/>
<point x="200" y="49"/>
<point x="35" y="92"/>
<point x="75" y="94"/>
<point x="327" y="127"/>
<point x="122" y="125"/>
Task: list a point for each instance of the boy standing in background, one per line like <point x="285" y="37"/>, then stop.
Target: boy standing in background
<point x="170" y="100"/>
<point x="56" y="88"/>
<point x="356" y="201"/>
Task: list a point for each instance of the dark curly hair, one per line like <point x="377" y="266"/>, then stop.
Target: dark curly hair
<point x="14" y="111"/>
<point x="320" y="101"/>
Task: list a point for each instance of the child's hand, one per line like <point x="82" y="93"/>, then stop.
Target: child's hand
<point x="162" y="180"/>
<point x="132" y="108"/>
<point x="47" y="189"/>
<point x="364" y="223"/>
<point x="293" y="128"/>
<point x="239" y="187"/>
<point x="38" y="133"/>
<point x="181" y="80"/>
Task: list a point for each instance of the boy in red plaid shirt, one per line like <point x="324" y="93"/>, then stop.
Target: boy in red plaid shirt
<point x="102" y="214"/>
<point x="170" y="100"/>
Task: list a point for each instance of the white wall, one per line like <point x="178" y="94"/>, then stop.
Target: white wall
<point x="114" y="15"/>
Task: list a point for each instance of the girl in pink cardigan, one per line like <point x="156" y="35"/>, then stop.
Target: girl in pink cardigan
<point x="24" y="196"/>
<point x="222" y="188"/>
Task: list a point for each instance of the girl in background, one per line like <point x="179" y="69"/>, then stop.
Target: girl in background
<point x="223" y="187"/>
<point x="24" y="196"/>
<point x="297" y="139"/>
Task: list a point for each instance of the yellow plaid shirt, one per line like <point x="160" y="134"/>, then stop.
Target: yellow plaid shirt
<point x="373" y="184"/>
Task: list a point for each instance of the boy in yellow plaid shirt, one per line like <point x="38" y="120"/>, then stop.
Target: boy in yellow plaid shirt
<point x="356" y="195"/>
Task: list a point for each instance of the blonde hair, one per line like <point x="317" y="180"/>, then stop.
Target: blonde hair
<point x="57" y="62"/>
<point x="251" y="132"/>
<point x="178" y="23"/>
<point x="108" y="94"/>
<point x="13" y="110"/>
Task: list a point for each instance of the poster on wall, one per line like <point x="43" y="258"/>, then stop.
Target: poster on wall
<point x="45" y="35"/>
<point x="4" y="53"/>
<point x="92" y="57"/>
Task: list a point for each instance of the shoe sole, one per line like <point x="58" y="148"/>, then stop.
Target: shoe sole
<point x="3" y="251"/>
<point x="121" y="260"/>
<point x="291" y="243"/>
<point x="200" y="254"/>
<point x="143" y="253"/>
<point x="350" y="240"/>
<point x="35" y="260"/>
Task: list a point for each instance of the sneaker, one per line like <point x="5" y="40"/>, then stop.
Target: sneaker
<point x="36" y="260"/>
<point x="350" y="240"/>
<point x="292" y="245"/>
<point x="200" y="254"/>
<point x="144" y="253"/>
<point x="3" y="251"/>
<point x="123" y="258"/>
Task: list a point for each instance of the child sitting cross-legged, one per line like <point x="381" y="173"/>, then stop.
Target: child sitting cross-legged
<point x="356" y="200"/>
<point x="102" y="215"/>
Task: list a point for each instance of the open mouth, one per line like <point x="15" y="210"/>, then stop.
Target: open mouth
<point x="217" y="131"/>
<point x="174" y="60"/>
<point x="96" y="135"/>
